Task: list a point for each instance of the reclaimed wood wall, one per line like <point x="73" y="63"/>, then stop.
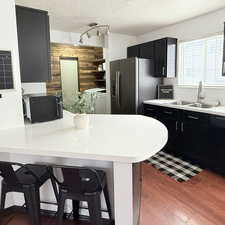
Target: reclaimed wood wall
<point x="87" y="66"/>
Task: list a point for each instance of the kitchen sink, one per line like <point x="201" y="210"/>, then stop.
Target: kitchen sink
<point x="182" y="103"/>
<point x="201" y="105"/>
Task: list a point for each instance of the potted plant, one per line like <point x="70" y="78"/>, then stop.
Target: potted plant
<point x="84" y="104"/>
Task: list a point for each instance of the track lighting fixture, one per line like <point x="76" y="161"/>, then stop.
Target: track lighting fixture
<point x="100" y="30"/>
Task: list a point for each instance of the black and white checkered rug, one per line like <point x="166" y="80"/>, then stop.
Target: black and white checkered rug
<point x="174" y="167"/>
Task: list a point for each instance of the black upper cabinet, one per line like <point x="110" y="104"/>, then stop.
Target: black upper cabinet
<point x="165" y="56"/>
<point x="162" y="51"/>
<point x="147" y="50"/>
<point x="34" y="44"/>
<point x="133" y="51"/>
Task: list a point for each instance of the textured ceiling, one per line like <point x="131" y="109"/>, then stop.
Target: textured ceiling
<point x="133" y="17"/>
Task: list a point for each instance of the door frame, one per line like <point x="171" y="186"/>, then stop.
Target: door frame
<point x="78" y="68"/>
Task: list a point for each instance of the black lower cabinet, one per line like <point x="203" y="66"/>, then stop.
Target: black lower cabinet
<point x="151" y="111"/>
<point x="216" y="151"/>
<point x="196" y="137"/>
<point x="170" y="118"/>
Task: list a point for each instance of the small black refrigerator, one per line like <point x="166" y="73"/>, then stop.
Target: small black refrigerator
<point x="132" y="82"/>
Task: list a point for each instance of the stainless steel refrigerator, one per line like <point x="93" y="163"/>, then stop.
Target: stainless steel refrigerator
<point x="132" y="82"/>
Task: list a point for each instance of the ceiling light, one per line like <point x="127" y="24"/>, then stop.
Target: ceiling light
<point x="81" y="40"/>
<point x="100" y="30"/>
<point x="88" y="35"/>
<point x="98" y="33"/>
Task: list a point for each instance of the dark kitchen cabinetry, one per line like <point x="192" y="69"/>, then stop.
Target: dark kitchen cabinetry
<point x="133" y="51"/>
<point x="194" y="136"/>
<point x="147" y="50"/>
<point x="171" y="119"/>
<point x="34" y="44"/>
<point x="165" y="56"/>
<point x="151" y="110"/>
<point x="162" y="51"/>
<point x="197" y="137"/>
<point x="216" y="156"/>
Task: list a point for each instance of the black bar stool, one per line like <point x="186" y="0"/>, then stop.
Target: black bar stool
<point x="27" y="180"/>
<point x="82" y="184"/>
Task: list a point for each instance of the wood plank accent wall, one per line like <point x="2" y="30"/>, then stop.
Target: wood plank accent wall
<point x="87" y="67"/>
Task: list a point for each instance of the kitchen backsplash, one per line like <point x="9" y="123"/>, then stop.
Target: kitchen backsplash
<point x="212" y="94"/>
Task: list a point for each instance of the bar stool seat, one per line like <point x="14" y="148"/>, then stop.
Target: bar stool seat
<point x="82" y="184"/>
<point x="27" y="180"/>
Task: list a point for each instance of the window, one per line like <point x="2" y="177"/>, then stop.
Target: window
<point x="201" y="60"/>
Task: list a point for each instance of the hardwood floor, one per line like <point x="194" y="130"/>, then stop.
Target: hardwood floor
<point x="200" y="201"/>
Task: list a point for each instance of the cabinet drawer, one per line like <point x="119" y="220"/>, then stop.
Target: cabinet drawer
<point x="217" y="122"/>
<point x="195" y="117"/>
<point x="169" y="113"/>
<point x="150" y="110"/>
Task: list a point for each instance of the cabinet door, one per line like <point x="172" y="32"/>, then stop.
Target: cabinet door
<point x="147" y="50"/>
<point x="165" y="56"/>
<point x="133" y="51"/>
<point x="33" y="39"/>
<point x="160" y="57"/>
<point x="171" y="119"/>
<point x="215" y="155"/>
<point x="195" y="130"/>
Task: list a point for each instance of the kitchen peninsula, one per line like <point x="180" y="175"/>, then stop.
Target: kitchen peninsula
<point x="102" y="145"/>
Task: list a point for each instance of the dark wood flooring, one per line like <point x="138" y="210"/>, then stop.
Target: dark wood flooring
<point x="200" y="201"/>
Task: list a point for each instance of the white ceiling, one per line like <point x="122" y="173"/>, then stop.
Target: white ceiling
<point x="133" y="17"/>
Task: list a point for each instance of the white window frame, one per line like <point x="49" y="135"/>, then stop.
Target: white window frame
<point x="180" y="62"/>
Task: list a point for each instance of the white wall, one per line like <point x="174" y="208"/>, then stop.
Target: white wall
<point x="199" y="27"/>
<point x="11" y="114"/>
<point x="118" y="44"/>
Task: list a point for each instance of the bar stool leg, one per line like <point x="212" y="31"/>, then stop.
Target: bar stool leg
<point x="94" y="206"/>
<point x="3" y="196"/>
<point x="32" y="199"/>
<point x="54" y="185"/>
<point x="107" y="200"/>
<point x="76" y="207"/>
<point x="61" y="205"/>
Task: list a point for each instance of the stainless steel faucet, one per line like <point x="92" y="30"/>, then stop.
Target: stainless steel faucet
<point x="201" y="95"/>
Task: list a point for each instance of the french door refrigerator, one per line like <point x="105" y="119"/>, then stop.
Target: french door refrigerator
<point x="132" y="82"/>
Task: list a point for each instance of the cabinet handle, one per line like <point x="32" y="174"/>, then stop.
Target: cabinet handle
<point x="219" y="118"/>
<point x="176" y="125"/>
<point x="150" y="109"/>
<point x="163" y="70"/>
<point x="182" y="127"/>
<point x="193" y="117"/>
<point x="168" y="112"/>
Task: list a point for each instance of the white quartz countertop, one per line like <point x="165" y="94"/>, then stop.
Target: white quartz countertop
<point x="218" y="110"/>
<point x="117" y="138"/>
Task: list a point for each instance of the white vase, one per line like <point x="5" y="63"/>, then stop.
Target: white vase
<point x="81" y="121"/>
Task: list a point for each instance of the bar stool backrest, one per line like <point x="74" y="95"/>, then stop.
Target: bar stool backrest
<point x="79" y="180"/>
<point x="7" y="172"/>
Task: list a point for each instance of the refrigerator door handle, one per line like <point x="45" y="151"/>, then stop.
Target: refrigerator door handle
<point x="118" y="88"/>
